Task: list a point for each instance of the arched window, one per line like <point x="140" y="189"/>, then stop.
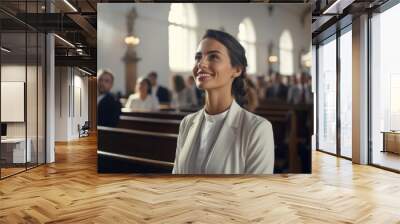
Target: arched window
<point x="286" y="54"/>
<point x="247" y="37"/>
<point x="182" y="36"/>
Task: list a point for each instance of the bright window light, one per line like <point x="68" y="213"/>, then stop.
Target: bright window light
<point x="182" y="36"/>
<point x="247" y="37"/>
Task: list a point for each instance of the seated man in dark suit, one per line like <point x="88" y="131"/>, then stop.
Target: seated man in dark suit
<point x="162" y="93"/>
<point x="108" y="108"/>
<point x="277" y="91"/>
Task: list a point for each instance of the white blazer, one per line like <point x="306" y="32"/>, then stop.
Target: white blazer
<point x="245" y="144"/>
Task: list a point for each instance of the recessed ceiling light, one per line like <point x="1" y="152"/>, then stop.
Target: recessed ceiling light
<point x="70" y="5"/>
<point x="64" y="40"/>
<point x="337" y="7"/>
<point x="5" y="50"/>
<point x="84" y="71"/>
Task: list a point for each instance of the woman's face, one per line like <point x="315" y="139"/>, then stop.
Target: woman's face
<point x="142" y="88"/>
<point x="213" y="67"/>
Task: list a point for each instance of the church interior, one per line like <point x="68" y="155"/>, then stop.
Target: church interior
<point x="93" y="94"/>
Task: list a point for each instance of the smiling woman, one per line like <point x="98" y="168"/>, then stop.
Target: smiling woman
<point x="223" y="138"/>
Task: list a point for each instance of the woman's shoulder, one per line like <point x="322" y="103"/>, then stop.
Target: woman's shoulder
<point x="181" y="93"/>
<point x="191" y="117"/>
<point x="152" y="98"/>
<point x="133" y="96"/>
<point x="252" y="120"/>
<point x="186" y="90"/>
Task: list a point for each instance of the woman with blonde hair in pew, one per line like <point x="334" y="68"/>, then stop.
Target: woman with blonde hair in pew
<point x="223" y="138"/>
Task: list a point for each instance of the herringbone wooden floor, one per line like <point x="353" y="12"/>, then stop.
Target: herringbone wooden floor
<point x="71" y="191"/>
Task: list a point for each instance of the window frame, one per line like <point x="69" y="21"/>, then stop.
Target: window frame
<point x="334" y="37"/>
<point x="249" y="43"/>
<point x="287" y="51"/>
<point x="190" y="30"/>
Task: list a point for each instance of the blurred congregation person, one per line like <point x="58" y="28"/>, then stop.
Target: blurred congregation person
<point x="142" y="100"/>
<point x="251" y="95"/>
<point x="261" y="87"/>
<point x="199" y="93"/>
<point x="307" y="82"/>
<point x="300" y="90"/>
<point x="277" y="92"/>
<point x="108" y="107"/>
<point x="182" y="97"/>
<point x="295" y="90"/>
<point x="291" y="81"/>
<point x="160" y="92"/>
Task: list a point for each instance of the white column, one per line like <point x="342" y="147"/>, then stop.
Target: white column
<point x="314" y="91"/>
<point x="360" y="90"/>
<point x="50" y="98"/>
<point x="63" y="102"/>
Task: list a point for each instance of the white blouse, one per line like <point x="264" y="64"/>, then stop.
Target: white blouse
<point x="210" y="129"/>
<point x="136" y="104"/>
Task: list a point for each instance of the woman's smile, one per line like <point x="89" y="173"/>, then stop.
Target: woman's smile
<point x="203" y="76"/>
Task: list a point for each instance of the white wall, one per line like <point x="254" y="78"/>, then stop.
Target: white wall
<point x="314" y="90"/>
<point x="33" y="125"/>
<point x="14" y="73"/>
<point x="151" y="27"/>
<point x="69" y="85"/>
<point x="61" y="103"/>
<point x="81" y="104"/>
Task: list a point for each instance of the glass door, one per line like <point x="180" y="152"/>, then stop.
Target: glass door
<point x="346" y="93"/>
<point x="14" y="154"/>
<point x="327" y="96"/>
<point x="22" y="67"/>
<point x="385" y="89"/>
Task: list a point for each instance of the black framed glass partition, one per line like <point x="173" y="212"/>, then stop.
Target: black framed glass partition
<point x="384" y="113"/>
<point x="326" y="99"/>
<point x="345" y="93"/>
<point x="22" y="77"/>
<point x="378" y="73"/>
<point x="334" y="95"/>
<point x="14" y="151"/>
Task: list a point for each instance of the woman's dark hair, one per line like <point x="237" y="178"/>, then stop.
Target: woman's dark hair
<point x="237" y="55"/>
<point x="179" y="83"/>
<point x="148" y="85"/>
<point x="147" y="81"/>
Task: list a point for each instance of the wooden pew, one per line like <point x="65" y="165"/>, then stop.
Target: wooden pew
<point x="286" y="159"/>
<point x="149" y="124"/>
<point x="293" y="140"/>
<point x="125" y="150"/>
<point x="269" y="106"/>
<point x="158" y="114"/>
<point x="143" y="142"/>
<point x="283" y="119"/>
